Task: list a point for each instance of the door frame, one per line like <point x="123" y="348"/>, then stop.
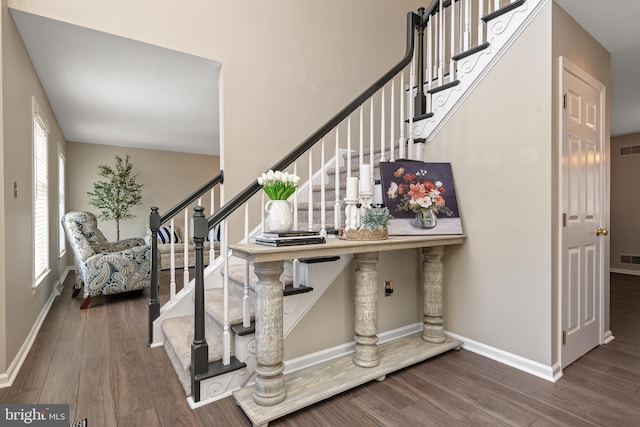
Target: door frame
<point x="604" y="336"/>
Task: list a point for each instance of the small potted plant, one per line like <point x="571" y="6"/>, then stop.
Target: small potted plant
<point x="373" y="225"/>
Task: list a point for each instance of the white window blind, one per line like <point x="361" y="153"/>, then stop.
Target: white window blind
<point x="61" y="209"/>
<point x="40" y="195"/>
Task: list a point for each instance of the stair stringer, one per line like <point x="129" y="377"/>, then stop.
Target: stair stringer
<point x="501" y="34"/>
<point x="296" y="306"/>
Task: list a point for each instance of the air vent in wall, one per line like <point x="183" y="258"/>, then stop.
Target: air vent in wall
<point x="629" y="259"/>
<point x="630" y="150"/>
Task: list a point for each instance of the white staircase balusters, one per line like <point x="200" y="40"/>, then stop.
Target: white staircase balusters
<point x="371" y="126"/>
<point x="452" y="36"/>
<point x="295" y="200"/>
<point x="172" y="263"/>
<point x="382" y="126"/>
<point x="323" y="204"/>
<point x="403" y="97"/>
<point x="185" y="232"/>
<point x="441" y="43"/>
<point x="361" y="137"/>
<point x="212" y="232"/>
<point x="392" y="123"/>
<point x="337" y="215"/>
<point x="246" y="302"/>
<point x="480" y="27"/>
<point x="309" y="192"/>
<point x="349" y="146"/>
<point x="226" y="336"/>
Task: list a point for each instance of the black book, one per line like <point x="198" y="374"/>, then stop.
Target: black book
<point x="290" y="242"/>
<point x="292" y="233"/>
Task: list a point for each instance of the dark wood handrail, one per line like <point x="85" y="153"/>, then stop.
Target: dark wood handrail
<point x="218" y="179"/>
<point x="228" y="208"/>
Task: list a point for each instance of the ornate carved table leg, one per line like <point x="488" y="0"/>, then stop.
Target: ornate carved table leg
<point x="433" y="329"/>
<point x="270" y="388"/>
<point x="366" y="352"/>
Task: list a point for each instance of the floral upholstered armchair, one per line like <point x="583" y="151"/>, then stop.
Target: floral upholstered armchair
<point x="103" y="267"/>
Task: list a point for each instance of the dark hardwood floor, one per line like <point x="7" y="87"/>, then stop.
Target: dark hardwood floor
<point x="96" y="361"/>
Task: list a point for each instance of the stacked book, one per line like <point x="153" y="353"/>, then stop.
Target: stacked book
<point x="290" y="238"/>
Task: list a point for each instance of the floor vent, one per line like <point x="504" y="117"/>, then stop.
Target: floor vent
<point x="629" y="259"/>
<point x="630" y="150"/>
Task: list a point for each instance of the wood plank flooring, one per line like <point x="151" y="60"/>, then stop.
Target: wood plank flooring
<point x="96" y="361"/>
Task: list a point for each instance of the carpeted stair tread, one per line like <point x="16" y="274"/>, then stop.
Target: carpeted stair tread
<point x="236" y="274"/>
<point x="179" y="332"/>
<point x="214" y="306"/>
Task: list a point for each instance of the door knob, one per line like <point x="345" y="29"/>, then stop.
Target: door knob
<point x="601" y="231"/>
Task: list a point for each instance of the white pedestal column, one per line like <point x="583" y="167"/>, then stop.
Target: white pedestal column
<point x="269" y="389"/>
<point x="433" y="328"/>
<point x="366" y="310"/>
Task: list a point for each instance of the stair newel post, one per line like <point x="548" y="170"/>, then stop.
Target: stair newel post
<point x="154" y="304"/>
<point x="199" y="347"/>
<point x="420" y="101"/>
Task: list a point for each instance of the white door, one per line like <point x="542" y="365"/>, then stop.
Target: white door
<point x="583" y="230"/>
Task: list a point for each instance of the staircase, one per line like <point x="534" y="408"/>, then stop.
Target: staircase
<point x="207" y="328"/>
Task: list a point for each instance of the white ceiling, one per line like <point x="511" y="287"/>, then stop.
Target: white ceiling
<point x="615" y="25"/>
<point x="111" y="90"/>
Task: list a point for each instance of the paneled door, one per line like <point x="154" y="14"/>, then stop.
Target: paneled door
<point x="583" y="232"/>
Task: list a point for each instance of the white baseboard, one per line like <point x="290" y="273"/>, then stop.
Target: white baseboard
<point x="608" y="337"/>
<point x="7" y="378"/>
<point x="624" y="271"/>
<point x="549" y="373"/>
<point x="344" y="349"/>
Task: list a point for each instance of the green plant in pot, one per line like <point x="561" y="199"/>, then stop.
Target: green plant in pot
<point x="375" y="217"/>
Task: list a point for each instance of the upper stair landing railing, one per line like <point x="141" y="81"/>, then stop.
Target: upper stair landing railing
<point x="155" y="222"/>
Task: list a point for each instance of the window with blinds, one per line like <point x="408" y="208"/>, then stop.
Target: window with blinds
<point x="40" y="195"/>
<point x="61" y="241"/>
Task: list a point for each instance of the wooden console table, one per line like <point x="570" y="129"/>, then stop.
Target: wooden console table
<point x="271" y="398"/>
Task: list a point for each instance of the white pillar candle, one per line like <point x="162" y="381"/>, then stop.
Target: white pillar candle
<point x="377" y="194"/>
<point x="352" y="187"/>
<point x="365" y="178"/>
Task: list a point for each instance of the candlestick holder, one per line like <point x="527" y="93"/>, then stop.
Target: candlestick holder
<point x="365" y="201"/>
<point x="350" y="213"/>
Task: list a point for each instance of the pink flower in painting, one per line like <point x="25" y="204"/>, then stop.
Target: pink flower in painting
<point x="417" y="191"/>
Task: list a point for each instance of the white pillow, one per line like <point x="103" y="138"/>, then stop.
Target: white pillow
<point x="164" y="235"/>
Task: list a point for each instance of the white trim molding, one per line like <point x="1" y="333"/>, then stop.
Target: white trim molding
<point x="549" y="373"/>
<point x="7" y="378"/>
<point x="624" y="271"/>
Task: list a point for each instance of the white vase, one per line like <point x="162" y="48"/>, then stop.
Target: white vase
<point x="280" y="215"/>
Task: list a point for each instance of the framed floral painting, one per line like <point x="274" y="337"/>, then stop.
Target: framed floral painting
<point x="421" y="198"/>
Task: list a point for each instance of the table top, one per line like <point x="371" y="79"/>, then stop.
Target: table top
<point x="334" y="246"/>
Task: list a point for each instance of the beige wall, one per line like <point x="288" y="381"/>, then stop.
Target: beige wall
<point x="625" y="203"/>
<point x="572" y="42"/>
<point x="278" y="88"/>
<point x="167" y="178"/>
<point x="498" y="283"/>
<point x="22" y="304"/>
